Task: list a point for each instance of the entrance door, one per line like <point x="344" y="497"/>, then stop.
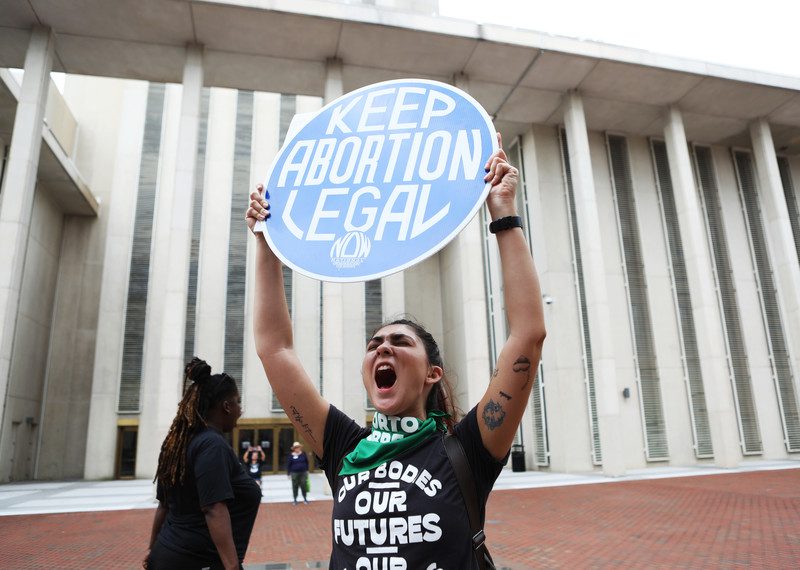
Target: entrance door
<point x="275" y="441"/>
<point x="126" y="451"/>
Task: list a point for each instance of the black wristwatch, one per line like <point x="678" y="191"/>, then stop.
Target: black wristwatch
<point x="506" y="223"/>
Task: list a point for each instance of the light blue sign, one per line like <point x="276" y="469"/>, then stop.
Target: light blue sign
<point x="378" y="180"/>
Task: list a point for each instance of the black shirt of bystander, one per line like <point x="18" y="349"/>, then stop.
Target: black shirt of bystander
<point x="215" y="475"/>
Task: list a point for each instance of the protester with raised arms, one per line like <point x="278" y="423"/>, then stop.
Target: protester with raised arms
<point x="397" y="503"/>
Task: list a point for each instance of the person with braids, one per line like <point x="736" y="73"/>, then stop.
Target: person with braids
<point x="397" y="502"/>
<point x="207" y="504"/>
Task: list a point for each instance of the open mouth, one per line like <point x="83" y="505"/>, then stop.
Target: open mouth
<point x="385" y="376"/>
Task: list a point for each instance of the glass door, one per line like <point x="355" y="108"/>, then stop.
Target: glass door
<point x="275" y="441"/>
<point x="126" y="451"/>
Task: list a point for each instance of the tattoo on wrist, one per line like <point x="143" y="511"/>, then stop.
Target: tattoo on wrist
<point x="298" y="417"/>
<point x="504" y="395"/>
<point x="493" y="415"/>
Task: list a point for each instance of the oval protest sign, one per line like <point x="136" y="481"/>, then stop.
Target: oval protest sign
<point x="378" y="180"/>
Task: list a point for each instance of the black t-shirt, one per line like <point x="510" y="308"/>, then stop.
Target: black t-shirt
<point x="409" y="512"/>
<point x="215" y="474"/>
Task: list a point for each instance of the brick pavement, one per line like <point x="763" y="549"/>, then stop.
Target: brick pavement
<point x="716" y="521"/>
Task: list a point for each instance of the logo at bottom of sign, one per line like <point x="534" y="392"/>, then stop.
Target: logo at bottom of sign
<point x="350" y="250"/>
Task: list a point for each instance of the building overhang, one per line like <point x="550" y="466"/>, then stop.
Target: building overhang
<point x="519" y="76"/>
<point x="57" y="174"/>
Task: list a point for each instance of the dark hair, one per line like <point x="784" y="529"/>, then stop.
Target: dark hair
<point x="203" y="392"/>
<point x="441" y="396"/>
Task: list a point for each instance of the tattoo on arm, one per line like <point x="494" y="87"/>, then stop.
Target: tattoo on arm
<point x="493" y="415"/>
<point x="298" y="418"/>
<point x="494" y="374"/>
<point x="504" y="395"/>
<point x="523" y="364"/>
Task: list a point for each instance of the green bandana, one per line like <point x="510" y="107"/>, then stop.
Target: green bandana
<point x="390" y="437"/>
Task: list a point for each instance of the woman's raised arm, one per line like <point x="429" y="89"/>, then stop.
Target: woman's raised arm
<point x="272" y="327"/>
<point x="502" y="406"/>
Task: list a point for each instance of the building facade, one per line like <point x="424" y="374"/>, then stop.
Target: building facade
<point x="660" y="198"/>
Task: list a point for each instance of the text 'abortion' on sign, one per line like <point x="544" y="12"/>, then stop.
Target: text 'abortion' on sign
<point x="378" y="180"/>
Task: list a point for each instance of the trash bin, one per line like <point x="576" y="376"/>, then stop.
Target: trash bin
<point x="517" y="457"/>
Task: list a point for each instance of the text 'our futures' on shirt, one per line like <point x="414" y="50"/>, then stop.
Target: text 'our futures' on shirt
<point x="406" y="513"/>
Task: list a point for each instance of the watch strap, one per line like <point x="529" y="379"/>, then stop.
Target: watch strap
<point x="505" y="223"/>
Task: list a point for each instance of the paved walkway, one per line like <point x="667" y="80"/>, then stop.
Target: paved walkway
<point x="659" y="518"/>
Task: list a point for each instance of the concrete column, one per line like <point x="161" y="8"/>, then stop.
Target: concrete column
<point x="594" y="274"/>
<point x="16" y="199"/>
<point x="162" y="382"/>
<point x="101" y="438"/>
<point x="212" y="278"/>
<point x="781" y="241"/>
<point x="266" y="126"/>
<point x="393" y="293"/>
<point x="464" y="307"/>
<point x="306" y="294"/>
<point x="705" y="307"/>
<point x="343" y="331"/>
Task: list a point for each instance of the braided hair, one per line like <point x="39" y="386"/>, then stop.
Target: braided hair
<point x="202" y="391"/>
<point x="441" y="396"/>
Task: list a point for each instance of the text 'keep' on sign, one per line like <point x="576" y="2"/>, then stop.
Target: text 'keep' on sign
<point x="378" y="180"/>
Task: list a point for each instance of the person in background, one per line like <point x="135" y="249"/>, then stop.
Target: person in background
<point x="251" y="451"/>
<point x="254" y="468"/>
<point x="207" y="504"/>
<point x="253" y="458"/>
<point x="297" y="469"/>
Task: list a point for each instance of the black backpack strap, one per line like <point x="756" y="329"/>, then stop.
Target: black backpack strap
<point x="458" y="459"/>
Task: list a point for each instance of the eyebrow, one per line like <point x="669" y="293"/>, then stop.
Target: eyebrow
<point x="394" y="337"/>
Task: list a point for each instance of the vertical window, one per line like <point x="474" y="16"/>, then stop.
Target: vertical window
<point x="237" y="243"/>
<point x="288" y="108"/>
<point x="373" y="314"/>
<point x="3" y="163"/>
<point x="138" y="278"/>
<point x="770" y="310"/>
<point x="197" y="208"/>
<point x="750" y="436"/>
<point x="690" y="355"/>
<point x="644" y="353"/>
<point x="791" y="201"/>
<point x="496" y="311"/>
<point x="586" y="341"/>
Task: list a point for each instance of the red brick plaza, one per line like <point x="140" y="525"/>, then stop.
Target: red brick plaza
<point x="733" y="520"/>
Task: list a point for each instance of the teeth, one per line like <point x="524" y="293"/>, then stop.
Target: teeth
<point x="384" y="367"/>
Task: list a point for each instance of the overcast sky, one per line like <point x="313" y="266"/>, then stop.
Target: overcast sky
<point x="752" y="34"/>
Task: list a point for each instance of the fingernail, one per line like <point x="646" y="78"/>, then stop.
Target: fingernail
<point x="266" y="193"/>
<point x="486" y="168"/>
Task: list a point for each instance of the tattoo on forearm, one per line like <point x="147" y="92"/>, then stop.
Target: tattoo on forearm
<point x="494" y="375"/>
<point x="493" y="415"/>
<point x="504" y="395"/>
<point x="523" y="364"/>
<point x="297" y="417"/>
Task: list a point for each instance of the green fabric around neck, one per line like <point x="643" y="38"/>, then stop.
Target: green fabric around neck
<point x="391" y="436"/>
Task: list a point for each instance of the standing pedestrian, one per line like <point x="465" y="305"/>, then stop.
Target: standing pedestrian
<point x="253" y="459"/>
<point x="207" y="504"/>
<point x="297" y="469"/>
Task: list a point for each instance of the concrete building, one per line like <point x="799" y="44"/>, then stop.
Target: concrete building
<point x="660" y="198"/>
